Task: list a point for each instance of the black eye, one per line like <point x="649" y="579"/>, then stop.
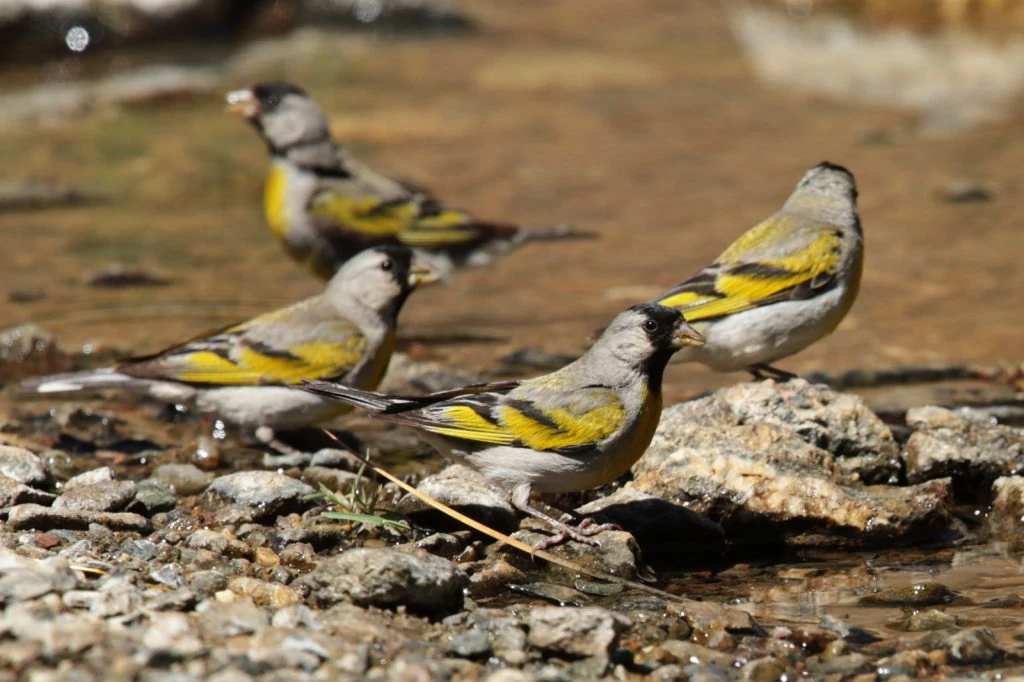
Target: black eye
<point x="387" y="265"/>
<point x="651" y="325"/>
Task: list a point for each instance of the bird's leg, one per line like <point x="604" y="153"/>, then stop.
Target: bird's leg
<point x="583" y="532"/>
<point x="762" y="371"/>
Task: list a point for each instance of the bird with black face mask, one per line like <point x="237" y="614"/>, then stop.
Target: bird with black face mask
<point x="577" y="428"/>
<point x="325" y="206"/>
<point x="245" y="374"/>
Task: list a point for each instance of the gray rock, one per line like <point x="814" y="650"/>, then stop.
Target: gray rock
<point x="283" y="649"/>
<point x="206" y="583"/>
<point x="766" y="669"/>
<point x="171" y="635"/>
<point x="766" y="483"/>
<point x="19" y="464"/>
<point x="220" y="543"/>
<point x="387" y="578"/>
<point x="973" y="646"/>
<point x="706" y="672"/>
<point x="466" y="490"/>
<point x="107" y="496"/>
<point x="91" y="477"/>
<point x="840" y="423"/>
<point x="945" y="443"/>
<point x="12" y="492"/>
<point x="575" y="633"/>
<point x="1006" y="519"/>
<point x="925" y="593"/>
<point x="36" y="517"/>
<point x="22" y="578"/>
<point x="240" y="617"/>
<point x="152" y="496"/>
<point x="258" y="496"/>
<point x="690" y="652"/>
<point x="617" y="554"/>
<point x="184" y="479"/>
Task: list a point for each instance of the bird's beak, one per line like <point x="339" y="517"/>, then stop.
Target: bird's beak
<point x="243" y="103"/>
<point x="420" y="275"/>
<point x="685" y="335"/>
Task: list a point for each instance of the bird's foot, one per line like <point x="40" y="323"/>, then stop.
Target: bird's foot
<point x="763" y="371"/>
<point x="266" y="436"/>
<point x="584" y="532"/>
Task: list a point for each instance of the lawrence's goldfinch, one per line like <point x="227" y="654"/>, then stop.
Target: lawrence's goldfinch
<point x="324" y="206"/>
<point x="577" y="428"/>
<point x="786" y="283"/>
<point x="244" y="374"/>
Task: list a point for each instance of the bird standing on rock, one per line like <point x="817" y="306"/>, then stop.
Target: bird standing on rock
<point x="246" y="374"/>
<point x="325" y="206"/>
<point x="577" y="428"/>
<point x="783" y="285"/>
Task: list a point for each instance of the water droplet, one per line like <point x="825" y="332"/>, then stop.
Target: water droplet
<point x="367" y="11"/>
<point x="77" y="39"/>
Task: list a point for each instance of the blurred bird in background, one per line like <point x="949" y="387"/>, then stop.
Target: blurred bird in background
<point x="783" y="285"/>
<point x="245" y="374"/>
<point x="325" y="206"/>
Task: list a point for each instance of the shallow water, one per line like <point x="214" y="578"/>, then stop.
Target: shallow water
<point x="637" y="120"/>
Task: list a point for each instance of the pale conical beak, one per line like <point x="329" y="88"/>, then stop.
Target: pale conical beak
<point x="685" y="335"/>
<point x="420" y="275"/>
<point x="243" y="103"/>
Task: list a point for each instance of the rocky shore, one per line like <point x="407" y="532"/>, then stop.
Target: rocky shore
<point x="231" y="572"/>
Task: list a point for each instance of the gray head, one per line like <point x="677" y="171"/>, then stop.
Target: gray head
<point x="645" y="336"/>
<point x="379" y="279"/>
<point x="284" y="115"/>
<point x="826" y="192"/>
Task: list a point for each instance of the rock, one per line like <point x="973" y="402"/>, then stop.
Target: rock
<point x="575" y="633"/>
<point x="406" y="376"/>
<point x="35" y="517"/>
<point x="1006" y="519"/>
<point x="264" y="593"/>
<point x="690" y="652"/>
<point x="387" y="578"/>
<point x="467" y="491"/>
<point x="765" y="483"/>
<point x="220" y="543"/>
<point x="90" y="477"/>
<point x="926" y="593"/>
<point x="171" y="636"/>
<point x="617" y="554"/>
<point x="109" y="496"/>
<point x="840" y="423"/>
<point x="12" y="492"/>
<point x="231" y="619"/>
<point x="972" y="452"/>
<point x="973" y="646"/>
<point x="920" y="621"/>
<point x="184" y="479"/>
<point x="766" y="669"/>
<point x="31" y="194"/>
<point x="914" y="664"/>
<point x="492" y="578"/>
<point x="646" y="517"/>
<point x="120" y="276"/>
<point x="256" y="496"/>
<point x="20" y="465"/>
<point x="207" y="583"/>
<point x="23" y="579"/>
<point x="152" y="497"/>
<point x="967" y="190"/>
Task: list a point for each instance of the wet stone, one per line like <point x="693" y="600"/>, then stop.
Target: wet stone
<point x="12" y="492"/>
<point x="762" y="670"/>
<point x="258" y="495"/>
<point x="91" y="477"/>
<point x="919" y="594"/>
<point x="152" y="496"/>
<point x="36" y="517"/>
<point x="973" y="646"/>
<point x="466" y="490"/>
<point x="920" y="621"/>
<point x="575" y="633"/>
<point x="387" y="578"/>
<point x="617" y="554"/>
<point x="22" y="578"/>
<point x="974" y="451"/>
<point x="184" y="479"/>
<point x="105" y="496"/>
<point x="685" y="652"/>
<point x="208" y="582"/>
<point x="240" y="617"/>
<point x="19" y="464"/>
<point x="1006" y="518"/>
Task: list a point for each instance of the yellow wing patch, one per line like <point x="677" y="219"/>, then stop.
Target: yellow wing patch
<point x="275" y="192"/>
<point x="560" y="428"/>
<point x="367" y="215"/>
<point x="461" y="421"/>
<point x="737" y="287"/>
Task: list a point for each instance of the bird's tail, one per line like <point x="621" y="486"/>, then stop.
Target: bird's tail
<point x="555" y="232"/>
<point x="76" y="382"/>
<point x="366" y="400"/>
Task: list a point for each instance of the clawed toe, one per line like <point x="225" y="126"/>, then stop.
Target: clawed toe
<point x="583" y="533"/>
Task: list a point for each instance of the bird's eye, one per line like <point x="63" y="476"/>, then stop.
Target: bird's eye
<point x="651" y="326"/>
<point x="387" y="265"/>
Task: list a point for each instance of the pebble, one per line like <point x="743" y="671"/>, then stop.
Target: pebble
<point x="257" y="496"/>
<point x="19" y="464"/>
<point x="184" y="479"/>
<point x="36" y="517"/>
<point x="105" y="496"/>
<point x="575" y="632"/>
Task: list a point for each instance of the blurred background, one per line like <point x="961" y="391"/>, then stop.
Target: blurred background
<point x="130" y="203"/>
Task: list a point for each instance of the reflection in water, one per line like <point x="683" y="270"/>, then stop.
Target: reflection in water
<point x="952" y="77"/>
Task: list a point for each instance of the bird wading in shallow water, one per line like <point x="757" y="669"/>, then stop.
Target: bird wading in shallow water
<point x="246" y="374"/>
<point x="577" y="428"/>
<point x="784" y="284"/>
<point x="325" y="206"/>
